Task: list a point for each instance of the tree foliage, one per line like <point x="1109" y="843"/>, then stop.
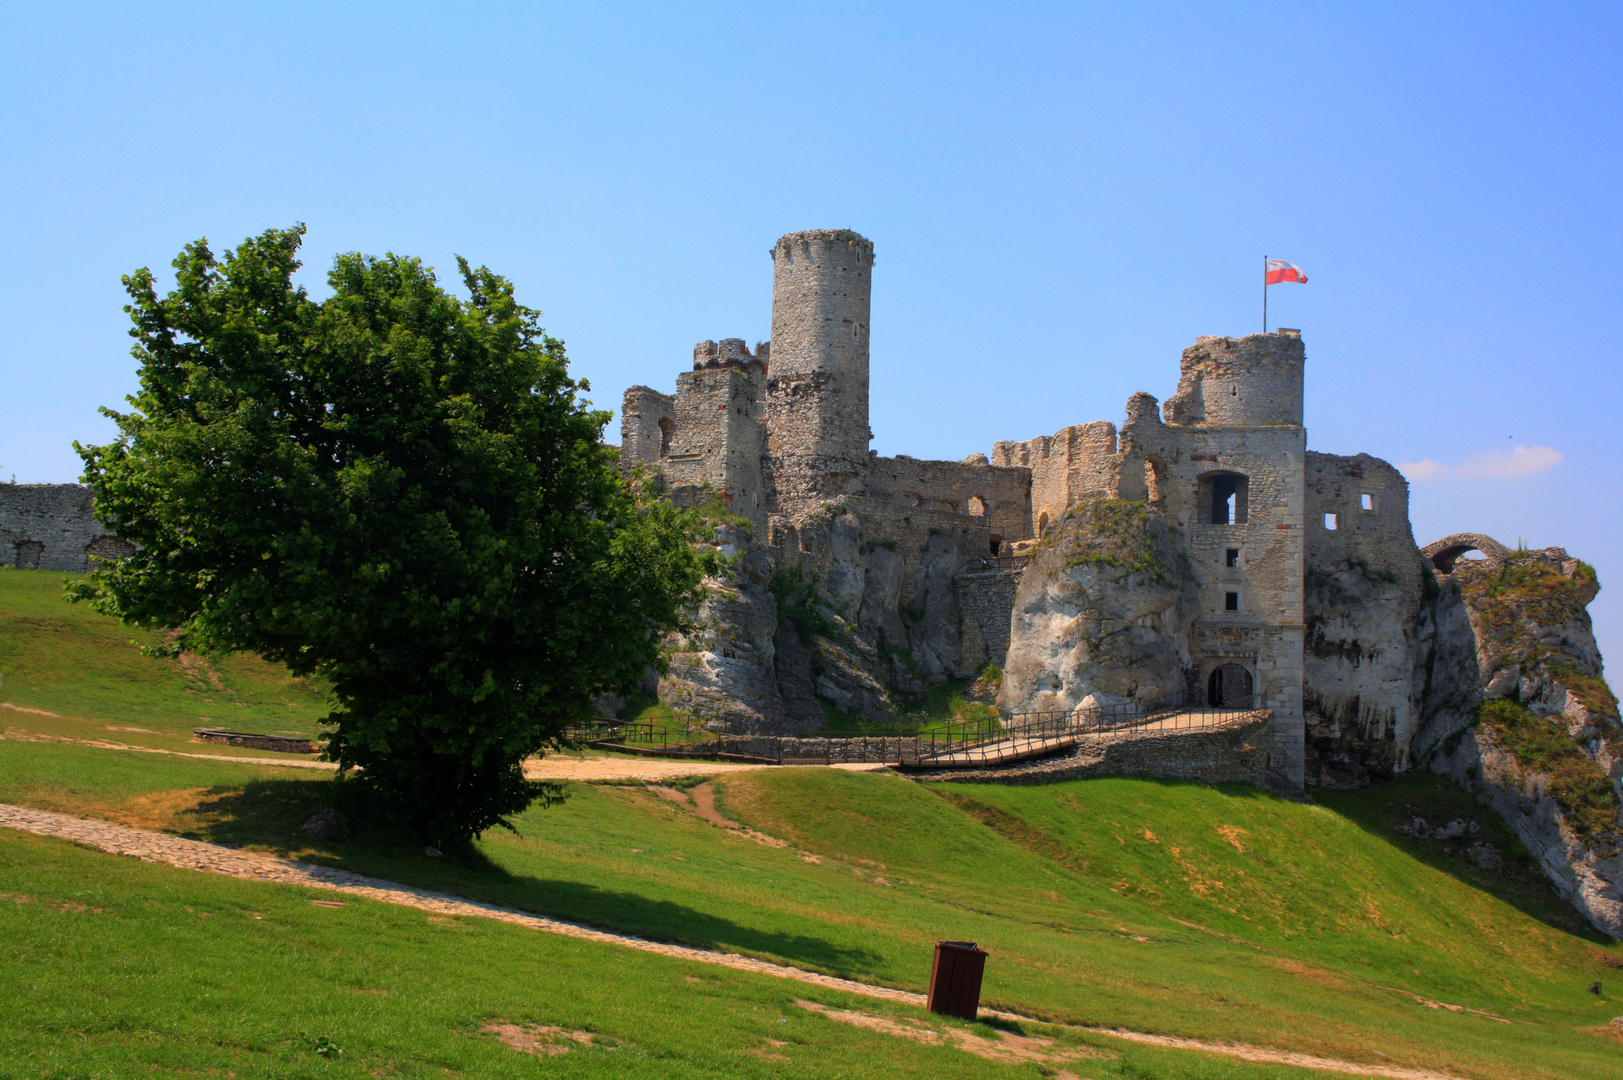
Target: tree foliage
<point x="398" y="490"/>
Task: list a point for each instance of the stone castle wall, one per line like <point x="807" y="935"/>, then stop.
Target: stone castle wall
<point x="1000" y="495"/>
<point x="52" y="527"/>
<point x="985" y="599"/>
<point x="1076" y="463"/>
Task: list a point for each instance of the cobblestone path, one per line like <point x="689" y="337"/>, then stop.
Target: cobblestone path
<point x="231" y="862"/>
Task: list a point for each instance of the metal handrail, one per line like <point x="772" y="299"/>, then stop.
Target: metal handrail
<point x="988" y="740"/>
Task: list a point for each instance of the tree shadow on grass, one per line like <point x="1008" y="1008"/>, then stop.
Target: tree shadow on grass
<point x="1377" y="808"/>
<point x="269" y="813"/>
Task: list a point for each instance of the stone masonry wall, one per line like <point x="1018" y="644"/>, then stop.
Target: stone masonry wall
<point x="986" y="599"/>
<point x="716" y="448"/>
<point x="1076" y="463"/>
<point x="51" y="527"/>
<point x="1253" y="380"/>
<point x="817" y="389"/>
<point x="642" y="440"/>
<point x="1004" y="494"/>
<point x="1362" y="600"/>
<point x="1238" y="752"/>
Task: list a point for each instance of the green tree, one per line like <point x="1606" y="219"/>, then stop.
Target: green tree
<point x="398" y="490"/>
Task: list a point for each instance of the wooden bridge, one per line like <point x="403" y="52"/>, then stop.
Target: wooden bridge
<point x="956" y="745"/>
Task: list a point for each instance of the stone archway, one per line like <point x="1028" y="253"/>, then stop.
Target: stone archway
<point x="1445" y="552"/>
<point x="1230" y="687"/>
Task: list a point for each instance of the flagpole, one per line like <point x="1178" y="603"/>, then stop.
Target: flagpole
<point x="1265" y="294"/>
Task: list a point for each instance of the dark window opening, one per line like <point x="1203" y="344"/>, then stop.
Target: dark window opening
<point x="666" y="429"/>
<point x="1231" y="601"/>
<point x="995" y="542"/>
<point x="1224" y="498"/>
<point x="1231" y="557"/>
<point x="1229" y="687"/>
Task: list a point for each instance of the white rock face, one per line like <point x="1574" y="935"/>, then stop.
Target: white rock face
<point x="1358" y="670"/>
<point x="1085" y="628"/>
<point x="1584" y="876"/>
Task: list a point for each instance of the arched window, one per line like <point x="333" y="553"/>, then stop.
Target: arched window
<point x="667" y="428"/>
<point x="995" y="543"/>
<point x="1042" y="522"/>
<point x="977" y="506"/>
<point x="1224" y="498"/>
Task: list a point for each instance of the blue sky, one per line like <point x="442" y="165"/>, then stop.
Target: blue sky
<point x="1062" y="197"/>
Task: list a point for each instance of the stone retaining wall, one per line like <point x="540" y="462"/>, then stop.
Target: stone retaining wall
<point x="1238" y="752"/>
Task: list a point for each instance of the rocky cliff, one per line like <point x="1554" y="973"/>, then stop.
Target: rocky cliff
<point x="830" y="619"/>
<point x="1514" y="706"/>
<point x="1103" y="610"/>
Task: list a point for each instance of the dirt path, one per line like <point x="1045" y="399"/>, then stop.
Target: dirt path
<point x="109" y="744"/>
<point x="565" y="767"/>
<point x="551" y="767"/>
<point x="231" y="862"/>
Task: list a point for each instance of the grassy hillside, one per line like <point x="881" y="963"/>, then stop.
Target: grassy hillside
<point x="82" y="675"/>
<point x="1221" y="914"/>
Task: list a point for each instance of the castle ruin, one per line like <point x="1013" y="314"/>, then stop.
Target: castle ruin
<point x="919" y="559"/>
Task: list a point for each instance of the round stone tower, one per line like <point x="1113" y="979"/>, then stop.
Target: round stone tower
<point x="817" y="382"/>
<point x="1240" y="382"/>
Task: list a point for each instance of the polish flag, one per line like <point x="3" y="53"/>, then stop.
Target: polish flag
<point x="1279" y="270"/>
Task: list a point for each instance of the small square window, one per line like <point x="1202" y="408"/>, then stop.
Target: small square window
<point x="1332" y="522"/>
<point x="1231" y="557"/>
<point x="1231" y="601"/>
<point x="1366" y="501"/>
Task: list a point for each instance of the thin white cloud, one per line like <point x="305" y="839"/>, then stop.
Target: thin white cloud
<point x="1493" y="465"/>
<point x="1423" y="470"/>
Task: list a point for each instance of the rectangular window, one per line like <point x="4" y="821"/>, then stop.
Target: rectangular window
<point x="1366" y="501"/>
<point x="1332" y="522"/>
<point x="1231" y="557"/>
<point x="1231" y="601"/>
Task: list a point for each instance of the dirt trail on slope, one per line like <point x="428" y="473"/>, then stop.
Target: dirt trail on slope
<point x="231" y="862"/>
<point x="552" y="767"/>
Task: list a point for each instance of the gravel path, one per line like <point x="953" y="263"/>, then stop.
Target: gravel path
<point x="231" y="862"/>
<point x="551" y="767"/>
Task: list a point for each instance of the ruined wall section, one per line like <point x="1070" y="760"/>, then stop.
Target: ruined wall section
<point x="1362" y="598"/>
<point x="817" y="390"/>
<point x="52" y="527"/>
<point x="647" y="425"/>
<point x="718" y="442"/>
<point x="999" y="495"/>
<point x="1076" y="463"/>
<point x="1253" y="380"/>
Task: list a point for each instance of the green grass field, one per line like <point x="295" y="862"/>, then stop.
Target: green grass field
<point x="81" y="675"/>
<point x="1221" y="914"/>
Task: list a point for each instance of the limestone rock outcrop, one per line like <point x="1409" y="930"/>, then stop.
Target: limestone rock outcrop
<point x="1102" y="609"/>
<point x="1509" y="649"/>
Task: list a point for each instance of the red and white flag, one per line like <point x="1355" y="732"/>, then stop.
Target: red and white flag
<point x="1278" y="270"/>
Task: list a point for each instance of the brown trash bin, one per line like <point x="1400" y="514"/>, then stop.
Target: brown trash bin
<point x="955" y="979"/>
